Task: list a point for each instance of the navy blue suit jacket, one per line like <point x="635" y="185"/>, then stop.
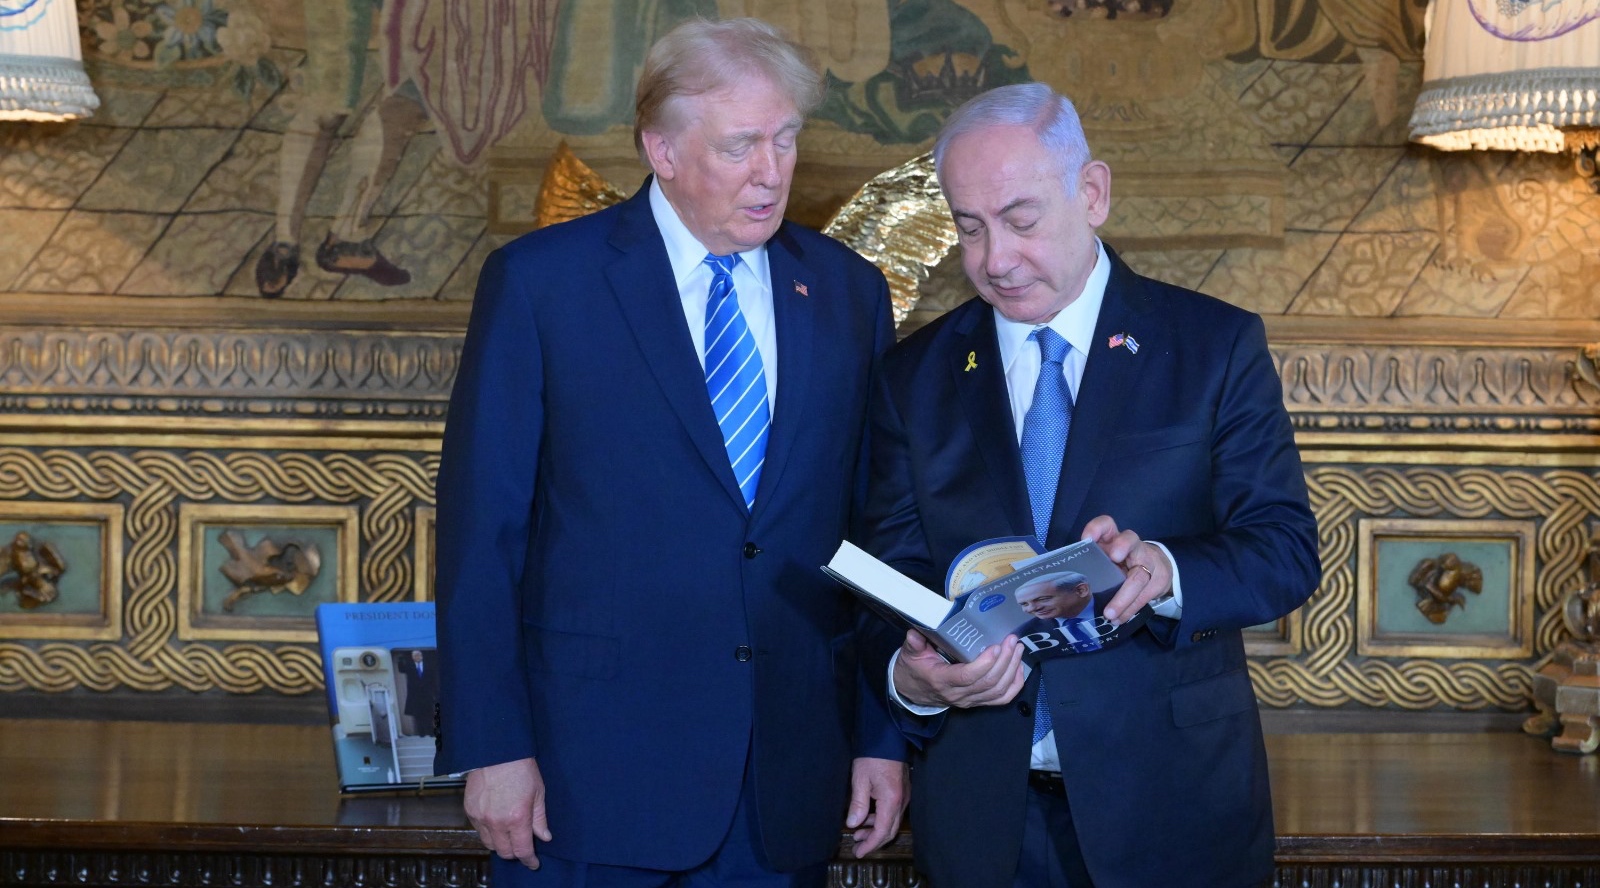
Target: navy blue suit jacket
<point x="606" y="604"/>
<point x="1185" y="442"/>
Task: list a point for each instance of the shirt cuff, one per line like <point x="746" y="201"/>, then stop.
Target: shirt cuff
<point x="913" y="708"/>
<point x="1171" y="604"/>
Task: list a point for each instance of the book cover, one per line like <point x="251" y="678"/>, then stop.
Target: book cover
<point x="380" y="665"/>
<point x="1052" y="602"/>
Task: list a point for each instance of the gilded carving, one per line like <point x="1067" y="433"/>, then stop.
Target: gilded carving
<point x="267" y="566"/>
<point x="30" y="570"/>
<point x="1440" y="582"/>
<point x="1332" y="376"/>
<point x="269" y="364"/>
<point x="384" y="485"/>
<point x="1331" y="673"/>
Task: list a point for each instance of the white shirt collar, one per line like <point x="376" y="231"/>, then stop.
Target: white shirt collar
<point x="1075" y="323"/>
<point x="684" y="251"/>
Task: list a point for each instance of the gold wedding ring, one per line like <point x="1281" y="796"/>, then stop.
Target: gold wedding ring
<point x="1145" y="569"/>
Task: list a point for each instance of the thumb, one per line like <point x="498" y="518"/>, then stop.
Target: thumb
<point x="916" y="642"/>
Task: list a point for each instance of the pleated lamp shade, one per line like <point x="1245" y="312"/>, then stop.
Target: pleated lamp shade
<point x="41" y="62"/>
<point x="1510" y="75"/>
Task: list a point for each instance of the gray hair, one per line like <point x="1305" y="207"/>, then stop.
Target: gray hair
<point x="701" y="56"/>
<point x="1035" y="105"/>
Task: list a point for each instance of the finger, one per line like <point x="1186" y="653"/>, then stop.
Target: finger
<point x="1121" y="546"/>
<point x="485" y="837"/>
<point x="874" y="838"/>
<point x="1101" y="528"/>
<point x="541" y="821"/>
<point x="1128" y="599"/>
<point x="860" y="803"/>
<point x="972" y="683"/>
<point x="994" y="686"/>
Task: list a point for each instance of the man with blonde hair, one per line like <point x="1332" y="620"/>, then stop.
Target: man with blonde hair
<point x="654" y="440"/>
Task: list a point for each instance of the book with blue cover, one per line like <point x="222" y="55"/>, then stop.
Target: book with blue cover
<point x="1052" y="602"/>
<point x="380" y="663"/>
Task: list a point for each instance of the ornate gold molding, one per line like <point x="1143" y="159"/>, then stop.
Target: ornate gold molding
<point x="385" y="488"/>
<point x="1346" y="486"/>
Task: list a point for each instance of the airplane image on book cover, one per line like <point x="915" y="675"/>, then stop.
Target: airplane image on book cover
<point x="381" y="668"/>
<point x="1053" y="602"/>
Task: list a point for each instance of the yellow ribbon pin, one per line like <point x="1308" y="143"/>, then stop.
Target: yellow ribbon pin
<point x="972" y="361"/>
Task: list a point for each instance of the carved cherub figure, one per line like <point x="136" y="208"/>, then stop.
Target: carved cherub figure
<point x="34" y="570"/>
<point x="1439" y="583"/>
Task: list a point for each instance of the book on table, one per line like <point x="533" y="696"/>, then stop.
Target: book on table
<point x="1052" y="602"/>
<point x="381" y="668"/>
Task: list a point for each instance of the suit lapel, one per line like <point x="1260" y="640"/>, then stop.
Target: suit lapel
<point x="1109" y="376"/>
<point x="979" y="380"/>
<point x="642" y="283"/>
<point x="794" y="311"/>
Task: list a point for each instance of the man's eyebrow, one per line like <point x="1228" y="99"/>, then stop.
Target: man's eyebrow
<point x="1019" y="204"/>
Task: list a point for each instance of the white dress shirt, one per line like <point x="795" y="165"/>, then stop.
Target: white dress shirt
<point x="752" y="285"/>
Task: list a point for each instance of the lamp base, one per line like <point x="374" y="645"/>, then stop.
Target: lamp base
<point x="1566" y="691"/>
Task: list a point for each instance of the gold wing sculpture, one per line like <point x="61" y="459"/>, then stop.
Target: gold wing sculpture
<point x="897" y="220"/>
<point x="900" y="223"/>
<point x="571" y="188"/>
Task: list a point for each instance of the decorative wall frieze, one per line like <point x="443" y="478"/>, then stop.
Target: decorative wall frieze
<point x="38" y="367"/>
<point x="1437" y="379"/>
<point x="1333" y="385"/>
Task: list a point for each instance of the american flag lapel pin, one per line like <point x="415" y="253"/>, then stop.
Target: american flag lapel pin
<point x="801" y="289"/>
<point x="1123" y="339"/>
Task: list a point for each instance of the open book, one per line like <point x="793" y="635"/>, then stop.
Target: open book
<point x="1053" y="602"/>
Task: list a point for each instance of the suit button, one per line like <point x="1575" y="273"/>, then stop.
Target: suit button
<point x="1025" y="708"/>
<point x="742" y="653"/>
<point x="751" y="550"/>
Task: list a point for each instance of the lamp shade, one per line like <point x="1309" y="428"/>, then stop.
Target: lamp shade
<point x="1514" y="75"/>
<point x="41" y="63"/>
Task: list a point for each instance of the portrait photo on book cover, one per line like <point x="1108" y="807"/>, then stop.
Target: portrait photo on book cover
<point x="1066" y="616"/>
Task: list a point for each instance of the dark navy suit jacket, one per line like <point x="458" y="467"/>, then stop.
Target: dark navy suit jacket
<point x="606" y="603"/>
<point x="1186" y="442"/>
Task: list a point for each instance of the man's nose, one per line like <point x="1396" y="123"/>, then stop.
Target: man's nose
<point x="764" y="166"/>
<point x="998" y="255"/>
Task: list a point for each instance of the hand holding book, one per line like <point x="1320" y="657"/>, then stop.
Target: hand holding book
<point x="1053" y="603"/>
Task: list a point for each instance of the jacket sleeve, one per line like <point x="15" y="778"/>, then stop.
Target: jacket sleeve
<point x="487" y="489"/>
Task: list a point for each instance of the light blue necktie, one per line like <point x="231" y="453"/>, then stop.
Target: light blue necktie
<point x="1044" y="439"/>
<point x="735" y="379"/>
<point x="1084" y="638"/>
<point x="1044" y="429"/>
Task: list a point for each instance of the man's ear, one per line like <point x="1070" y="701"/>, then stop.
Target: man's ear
<point x="1094" y="189"/>
<point x="658" y="150"/>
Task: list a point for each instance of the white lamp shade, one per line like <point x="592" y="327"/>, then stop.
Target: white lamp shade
<point x="1513" y="75"/>
<point x="41" y="63"/>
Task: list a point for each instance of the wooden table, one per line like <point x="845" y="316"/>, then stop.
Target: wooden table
<point x="119" y="803"/>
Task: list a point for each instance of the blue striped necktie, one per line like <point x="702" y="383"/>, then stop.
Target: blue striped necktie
<point x="735" y="379"/>
<point x="1044" y="440"/>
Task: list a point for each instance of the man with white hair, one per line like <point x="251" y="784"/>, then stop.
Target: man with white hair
<point x="1074" y="399"/>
